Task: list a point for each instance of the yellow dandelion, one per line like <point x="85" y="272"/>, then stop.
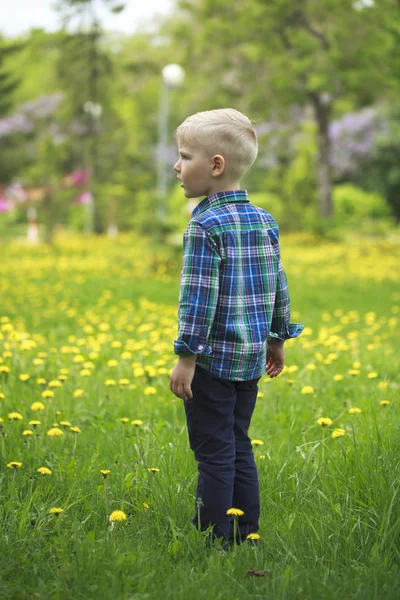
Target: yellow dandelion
<point x="353" y="372"/>
<point x="58" y="413"/>
<point x="75" y="430"/>
<point x="253" y="536"/>
<point x="260" y="395"/>
<point x="15" y="416"/>
<point x="262" y="457"/>
<point x="41" y="381"/>
<point x="78" y="359"/>
<point x="354" y="410"/>
<point x="150" y="391"/>
<point x="150" y="370"/>
<point x="372" y="375"/>
<point x="126" y="355"/>
<point x="235" y="512"/>
<point x="27" y="432"/>
<point x="55" y="432"/>
<point x="4" y="369"/>
<point x="292" y="369"/>
<point x="2" y="396"/>
<point x="38" y="361"/>
<point x="62" y="377"/>
<point x="65" y="423"/>
<point x="56" y="511"/>
<point x="146" y="506"/>
<point x="257" y="443"/>
<point x="105" y="472"/>
<point x="324" y="421"/>
<point x="338" y="433"/>
<point x="123" y="381"/>
<point x="78" y="393"/>
<point x="55" y="383"/>
<point x="48" y="394"/>
<point x="85" y="372"/>
<point x="112" y="363"/>
<point x="290" y="381"/>
<point x="338" y="377"/>
<point x="44" y="471"/>
<point x="383" y="385"/>
<point x="14" y="464"/>
<point x="34" y="423"/>
<point x="124" y="420"/>
<point x="384" y="402"/>
<point x="36" y="406"/>
<point x="117" y="515"/>
<point x="153" y="470"/>
<point x="24" y="376"/>
<point x="137" y="422"/>
<point x="307" y="389"/>
<point x="110" y="382"/>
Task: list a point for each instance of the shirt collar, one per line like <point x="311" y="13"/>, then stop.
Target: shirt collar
<point x="219" y="198"/>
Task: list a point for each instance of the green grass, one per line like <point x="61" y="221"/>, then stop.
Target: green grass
<point x="330" y="522"/>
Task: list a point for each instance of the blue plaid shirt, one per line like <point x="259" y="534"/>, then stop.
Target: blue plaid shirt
<point x="234" y="297"/>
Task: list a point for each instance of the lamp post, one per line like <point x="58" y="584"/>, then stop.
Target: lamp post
<point x="93" y="110"/>
<point x="172" y="77"/>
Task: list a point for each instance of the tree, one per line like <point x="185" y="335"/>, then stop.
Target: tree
<point x="8" y="86"/>
<point x="8" y="81"/>
<point x="282" y="53"/>
<point x="84" y="69"/>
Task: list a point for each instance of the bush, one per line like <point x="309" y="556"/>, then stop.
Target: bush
<point x="353" y="204"/>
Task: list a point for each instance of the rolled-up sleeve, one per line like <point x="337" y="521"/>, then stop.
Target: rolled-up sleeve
<point x="198" y="291"/>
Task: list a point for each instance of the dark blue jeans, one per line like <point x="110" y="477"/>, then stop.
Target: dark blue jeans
<point x="218" y="418"/>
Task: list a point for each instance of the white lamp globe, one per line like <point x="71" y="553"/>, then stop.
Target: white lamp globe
<point x="173" y="75"/>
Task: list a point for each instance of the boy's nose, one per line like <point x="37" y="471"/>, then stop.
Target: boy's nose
<point x="176" y="167"/>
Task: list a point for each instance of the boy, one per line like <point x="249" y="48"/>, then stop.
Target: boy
<point x="233" y="314"/>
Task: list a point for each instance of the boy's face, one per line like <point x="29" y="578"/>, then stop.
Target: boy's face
<point x="194" y="168"/>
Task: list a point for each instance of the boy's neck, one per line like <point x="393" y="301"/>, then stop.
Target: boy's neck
<point x="228" y="187"/>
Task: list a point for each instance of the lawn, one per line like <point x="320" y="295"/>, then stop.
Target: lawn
<point x="86" y="332"/>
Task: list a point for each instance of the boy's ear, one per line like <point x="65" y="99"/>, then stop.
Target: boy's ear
<point x="218" y="165"/>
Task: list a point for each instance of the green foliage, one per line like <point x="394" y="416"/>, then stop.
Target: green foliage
<point x="35" y="64"/>
<point x="8" y="81"/>
<point x="353" y="204"/>
<point x="285" y="55"/>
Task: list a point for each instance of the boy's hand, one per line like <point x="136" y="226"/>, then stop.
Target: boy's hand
<point x="275" y="359"/>
<point x="182" y="377"/>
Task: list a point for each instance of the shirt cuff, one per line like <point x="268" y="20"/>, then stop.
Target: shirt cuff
<point x="191" y="343"/>
<point x="293" y="331"/>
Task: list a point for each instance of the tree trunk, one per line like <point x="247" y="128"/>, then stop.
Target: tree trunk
<point x="322" y="105"/>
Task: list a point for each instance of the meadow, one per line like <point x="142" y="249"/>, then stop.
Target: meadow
<point x="89" y="427"/>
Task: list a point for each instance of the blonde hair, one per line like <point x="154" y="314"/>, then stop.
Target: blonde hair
<point x="223" y="131"/>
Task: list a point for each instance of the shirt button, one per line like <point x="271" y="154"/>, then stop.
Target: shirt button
<point x="200" y="347"/>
